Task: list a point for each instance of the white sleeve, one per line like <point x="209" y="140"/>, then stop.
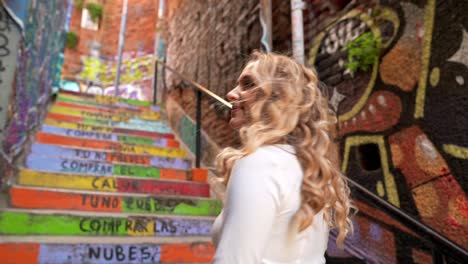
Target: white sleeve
<point x="252" y="201"/>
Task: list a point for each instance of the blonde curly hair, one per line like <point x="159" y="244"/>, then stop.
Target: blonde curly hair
<point x="289" y="108"/>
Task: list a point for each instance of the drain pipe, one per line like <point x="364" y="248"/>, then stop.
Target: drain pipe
<point x="123" y="23"/>
<point x="297" y="30"/>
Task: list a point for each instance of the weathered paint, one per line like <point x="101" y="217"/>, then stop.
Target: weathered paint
<point x="107" y="130"/>
<point x="110" y="157"/>
<point x="52" y="164"/>
<point x="157" y="142"/>
<point x="103" y="99"/>
<point x="97" y="113"/>
<point x="136" y="124"/>
<point x="27" y="198"/>
<point x="32" y="253"/>
<point x="53" y="139"/>
<point x="20" y="223"/>
<point x="111" y="184"/>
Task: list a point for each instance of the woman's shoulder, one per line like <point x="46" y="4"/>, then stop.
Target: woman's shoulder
<point x="270" y="155"/>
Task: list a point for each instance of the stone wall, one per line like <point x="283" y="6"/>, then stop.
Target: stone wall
<point x="209" y="42"/>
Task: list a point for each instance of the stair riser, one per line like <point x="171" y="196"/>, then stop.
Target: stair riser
<point x="112" y="184"/>
<point x="104" y="100"/>
<point x="109" y="157"/>
<point x="64" y="141"/>
<point x="97" y="113"/>
<point x="50" y="164"/>
<point x="28" y="199"/>
<point x="131" y="124"/>
<point x="117" y="106"/>
<point x="156" y="142"/>
<point x="107" y="253"/>
<point x="14" y="223"/>
<point x="107" y="130"/>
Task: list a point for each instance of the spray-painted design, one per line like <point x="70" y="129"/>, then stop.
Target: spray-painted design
<point x="42" y="44"/>
<point x="112" y="184"/>
<point x="401" y="124"/>
<point x="198" y="252"/>
<point x="9" y="43"/>
<point x="27" y="198"/>
<point x="98" y="75"/>
<point x="15" y="223"/>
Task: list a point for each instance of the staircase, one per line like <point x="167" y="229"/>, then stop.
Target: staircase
<point x="105" y="181"/>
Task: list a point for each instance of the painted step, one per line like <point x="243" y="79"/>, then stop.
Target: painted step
<point x="46" y="138"/>
<point x="22" y="222"/>
<point x="61" y="165"/>
<point x="65" y="98"/>
<point x="134" y="253"/>
<point x="103" y="108"/>
<point x="97" y="113"/>
<point x="107" y="130"/>
<point x="137" y="124"/>
<point x="103" y="99"/>
<point x="110" y="157"/>
<point x="57" y="199"/>
<point x="133" y="140"/>
<point x="112" y="184"/>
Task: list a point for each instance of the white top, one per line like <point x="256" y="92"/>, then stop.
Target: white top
<point x="262" y="196"/>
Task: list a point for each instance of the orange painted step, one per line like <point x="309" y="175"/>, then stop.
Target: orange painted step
<point x="53" y="139"/>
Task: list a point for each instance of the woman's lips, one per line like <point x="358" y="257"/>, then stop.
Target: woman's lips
<point x="235" y="109"/>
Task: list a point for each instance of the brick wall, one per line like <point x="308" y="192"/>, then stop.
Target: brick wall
<point x="139" y="35"/>
<point x="210" y="42"/>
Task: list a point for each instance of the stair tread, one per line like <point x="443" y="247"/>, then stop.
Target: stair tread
<point x="50" y="239"/>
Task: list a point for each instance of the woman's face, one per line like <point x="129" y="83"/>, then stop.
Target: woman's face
<point x="242" y="97"/>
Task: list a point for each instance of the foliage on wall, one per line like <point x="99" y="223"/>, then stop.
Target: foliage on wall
<point x="95" y="11"/>
<point x="362" y="52"/>
<point x="72" y="40"/>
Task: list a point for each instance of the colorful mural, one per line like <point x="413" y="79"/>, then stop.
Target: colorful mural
<point x="42" y="42"/>
<point x="402" y="124"/>
<point x="98" y="76"/>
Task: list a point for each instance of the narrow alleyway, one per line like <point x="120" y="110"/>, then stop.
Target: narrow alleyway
<point x="107" y="182"/>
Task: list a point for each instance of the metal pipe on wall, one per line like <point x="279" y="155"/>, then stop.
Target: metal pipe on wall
<point x="123" y="23"/>
<point x="297" y="30"/>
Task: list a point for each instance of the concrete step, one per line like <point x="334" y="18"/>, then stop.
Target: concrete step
<point x="77" y="100"/>
<point x="134" y="124"/>
<point x="63" y="165"/>
<point x="64" y="141"/>
<point x="103" y="113"/>
<point x="131" y="140"/>
<point x="109" y="156"/>
<point x="104" y="99"/>
<point x="20" y="222"/>
<point x="106" y="129"/>
<point x="106" y="253"/>
<point x="112" y="184"/>
<point x="71" y="200"/>
<point x="97" y="113"/>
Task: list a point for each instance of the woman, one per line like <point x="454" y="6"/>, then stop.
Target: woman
<point x="284" y="189"/>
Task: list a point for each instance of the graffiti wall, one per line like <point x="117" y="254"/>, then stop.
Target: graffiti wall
<point x="402" y="123"/>
<point x="32" y="55"/>
<point x="97" y="76"/>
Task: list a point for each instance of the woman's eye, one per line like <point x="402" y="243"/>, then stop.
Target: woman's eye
<point x="246" y="83"/>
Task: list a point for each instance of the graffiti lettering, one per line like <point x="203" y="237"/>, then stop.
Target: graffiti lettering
<point x="102" y="184"/>
<point x="87" y="134"/>
<point x="100" y="201"/>
<point x="112" y="226"/>
<point x="124" y="253"/>
<point x="85" y="166"/>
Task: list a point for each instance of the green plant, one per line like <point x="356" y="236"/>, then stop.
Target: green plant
<point x="362" y="52"/>
<point x="72" y="40"/>
<point x="95" y="11"/>
<point x="78" y="4"/>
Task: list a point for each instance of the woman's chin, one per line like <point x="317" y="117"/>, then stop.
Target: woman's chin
<point x="235" y="123"/>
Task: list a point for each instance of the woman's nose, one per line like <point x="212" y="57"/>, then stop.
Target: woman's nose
<point x="233" y="95"/>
